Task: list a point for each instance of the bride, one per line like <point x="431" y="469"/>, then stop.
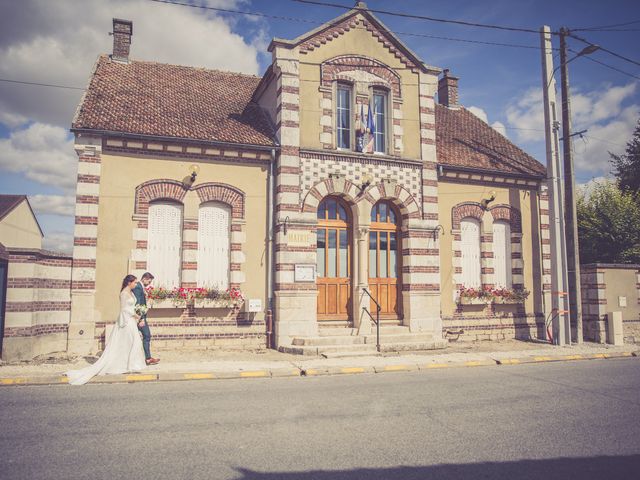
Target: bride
<point x="123" y="351"/>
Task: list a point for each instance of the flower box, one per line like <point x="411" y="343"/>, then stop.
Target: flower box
<point x="472" y="301"/>
<point x="164" y="303"/>
<point x="507" y="301"/>
<point x="217" y="303"/>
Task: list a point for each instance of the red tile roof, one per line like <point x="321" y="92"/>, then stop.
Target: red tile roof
<point x="463" y="140"/>
<point x="158" y="99"/>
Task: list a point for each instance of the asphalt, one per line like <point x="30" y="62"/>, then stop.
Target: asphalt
<point x="217" y="365"/>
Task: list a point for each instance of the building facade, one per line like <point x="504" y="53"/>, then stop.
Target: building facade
<point x="348" y="176"/>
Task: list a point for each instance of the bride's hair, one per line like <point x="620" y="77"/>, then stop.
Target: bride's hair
<point x="127" y="280"/>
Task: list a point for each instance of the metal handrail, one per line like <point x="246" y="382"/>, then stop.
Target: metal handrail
<point x="377" y="319"/>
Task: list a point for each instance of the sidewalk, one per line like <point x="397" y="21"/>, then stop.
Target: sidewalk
<point x="209" y="364"/>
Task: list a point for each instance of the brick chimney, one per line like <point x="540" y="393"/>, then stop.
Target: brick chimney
<point x="122" y="31"/>
<point x="448" y="90"/>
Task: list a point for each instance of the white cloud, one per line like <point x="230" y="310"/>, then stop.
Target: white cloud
<point x="602" y="112"/>
<point x="42" y="153"/>
<point x="58" y="42"/>
<point x="58" y="242"/>
<point x="53" y="204"/>
<point x="482" y="115"/>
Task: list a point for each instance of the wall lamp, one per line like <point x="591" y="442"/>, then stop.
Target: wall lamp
<point x="486" y="201"/>
<point x="190" y="179"/>
<point x="436" y="231"/>
<point x="284" y="225"/>
<point x="367" y="179"/>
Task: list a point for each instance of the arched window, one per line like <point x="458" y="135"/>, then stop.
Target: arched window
<point x="380" y="116"/>
<point x="333" y="254"/>
<point x="213" y="245"/>
<point x="384" y="265"/>
<point x="470" y="246"/>
<point x="165" y="242"/>
<point x="502" y="253"/>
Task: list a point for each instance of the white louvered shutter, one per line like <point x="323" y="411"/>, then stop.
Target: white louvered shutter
<point x="470" y="243"/>
<point x="164" y="243"/>
<point x="213" y="245"/>
<point x="502" y="253"/>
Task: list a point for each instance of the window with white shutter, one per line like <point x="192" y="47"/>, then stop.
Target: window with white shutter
<point x="213" y="245"/>
<point x="164" y="254"/>
<point x="502" y="253"/>
<point x="470" y="246"/>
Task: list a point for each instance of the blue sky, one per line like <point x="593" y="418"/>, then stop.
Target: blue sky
<point x="43" y="41"/>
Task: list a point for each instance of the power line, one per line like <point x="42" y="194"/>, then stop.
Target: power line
<point x="22" y="82"/>
<point x="604" y="49"/>
<point x="422" y="17"/>
<point x="605" y="26"/>
<point x="301" y="20"/>
<point x="240" y="12"/>
<point x="586" y="57"/>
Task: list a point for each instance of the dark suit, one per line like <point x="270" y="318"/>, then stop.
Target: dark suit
<point x="141" y="299"/>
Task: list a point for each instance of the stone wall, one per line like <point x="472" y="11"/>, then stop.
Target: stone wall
<point x="38" y="305"/>
<point x="609" y="288"/>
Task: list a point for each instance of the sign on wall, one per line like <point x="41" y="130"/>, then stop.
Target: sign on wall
<point x="305" y="273"/>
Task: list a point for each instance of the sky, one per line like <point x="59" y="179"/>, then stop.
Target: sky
<point x="56" y="42"/>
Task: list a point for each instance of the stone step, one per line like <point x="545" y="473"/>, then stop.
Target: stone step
<point x="329" y="340"/>
<point x="413" y="346"/>
<point x="337" y="331"/>
<point x="400" y="338"/>
<point x="368" y="349"/>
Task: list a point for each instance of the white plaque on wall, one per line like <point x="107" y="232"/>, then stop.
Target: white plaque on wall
<point x="254" y="305"/>
<point x="305" y="273"/>
<point x="622" y="301"/>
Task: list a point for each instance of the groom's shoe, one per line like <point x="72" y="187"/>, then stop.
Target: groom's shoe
<point x="152" y="361"/>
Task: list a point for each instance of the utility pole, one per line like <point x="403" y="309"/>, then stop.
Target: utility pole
<point x="571" y="224"/>
<point x="556" y="305"/>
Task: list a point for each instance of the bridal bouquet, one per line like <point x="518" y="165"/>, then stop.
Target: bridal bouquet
<point x="141" y="310"/>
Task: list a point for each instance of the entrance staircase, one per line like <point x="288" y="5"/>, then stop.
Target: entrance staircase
<point x="338" y="342"/>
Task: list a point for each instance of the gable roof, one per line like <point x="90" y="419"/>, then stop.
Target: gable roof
<point x="156" y="99"/>
<point x="463" y="140"/>
<point x="327" y="31"/>
<point x="9" y="202"/>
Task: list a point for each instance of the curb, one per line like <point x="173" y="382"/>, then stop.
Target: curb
<point x="308" y="372"/>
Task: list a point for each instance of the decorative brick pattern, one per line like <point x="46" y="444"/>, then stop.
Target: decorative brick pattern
<point x="332" y="69"/>
<point x="317" y="165"/>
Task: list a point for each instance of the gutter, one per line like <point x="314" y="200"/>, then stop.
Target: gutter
<point x="162" y="138"/>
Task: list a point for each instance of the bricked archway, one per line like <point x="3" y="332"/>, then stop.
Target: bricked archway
<point x="333" y="69"/>
<point x="464" y="210"/>
<point x="160" y="189"/>
<point x="509" y="214"/>
<point x="337" y="186"/>
<point x="221" y="192"/>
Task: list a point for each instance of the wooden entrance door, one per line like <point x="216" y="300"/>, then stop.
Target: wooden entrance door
<point x="334" y="261"/>
<point x="385" y="282"/>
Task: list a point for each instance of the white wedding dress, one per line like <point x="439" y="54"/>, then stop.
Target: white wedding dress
<point x="123" y="351"/>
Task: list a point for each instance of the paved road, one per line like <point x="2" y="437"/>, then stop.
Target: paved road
<point x="565" y="420"/>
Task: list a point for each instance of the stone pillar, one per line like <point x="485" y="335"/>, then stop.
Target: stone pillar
<point x="361" y="320"/>
<point x="84" y="315"/>
<point x="295" y="243"/>
<point x="421" y="267"/>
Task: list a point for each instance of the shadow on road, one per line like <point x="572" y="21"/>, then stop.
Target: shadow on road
<point x="605" y="467"/>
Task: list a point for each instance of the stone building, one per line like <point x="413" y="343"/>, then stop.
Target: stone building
<point x="347" y="173"/>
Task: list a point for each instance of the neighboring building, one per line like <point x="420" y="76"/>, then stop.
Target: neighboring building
<point x="18" y="224"/>
<point x="34" y="286"/>
<point x="287" y="207"/>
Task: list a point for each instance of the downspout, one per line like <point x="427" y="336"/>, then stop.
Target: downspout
<point x="270" y="254"/>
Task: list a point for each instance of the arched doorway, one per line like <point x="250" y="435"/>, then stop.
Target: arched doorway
<point x="334" y="261"/>
<point x="385" y="281"/>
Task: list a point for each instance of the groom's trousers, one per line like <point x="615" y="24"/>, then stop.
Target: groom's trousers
<point x="146" y="338"/>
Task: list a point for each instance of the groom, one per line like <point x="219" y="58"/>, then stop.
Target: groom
<point x="143" y="326"/>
